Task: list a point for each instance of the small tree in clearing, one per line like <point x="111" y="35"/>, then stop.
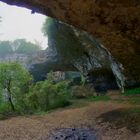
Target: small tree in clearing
<point x="12" y="78"/>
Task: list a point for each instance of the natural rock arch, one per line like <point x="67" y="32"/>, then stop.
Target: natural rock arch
<point x="114" y="22"/>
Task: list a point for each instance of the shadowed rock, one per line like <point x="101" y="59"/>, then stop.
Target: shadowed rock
<point x="73" y="49"/>
<point x="74" y="134"/>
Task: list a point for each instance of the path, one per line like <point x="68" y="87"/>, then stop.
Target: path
<point x="39" y="127"/>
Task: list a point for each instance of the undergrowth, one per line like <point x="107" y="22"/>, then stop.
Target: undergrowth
<point x="132" y="91"/>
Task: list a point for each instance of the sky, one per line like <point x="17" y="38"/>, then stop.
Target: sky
<point x="18" y="23"/>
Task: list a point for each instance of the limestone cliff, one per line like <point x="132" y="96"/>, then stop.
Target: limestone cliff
<point x="73" y="49"/>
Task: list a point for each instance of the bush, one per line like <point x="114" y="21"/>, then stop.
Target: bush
<point x="42" y="96"/>
<point x="83" y="91"/>
<point x="5" y="110"/>
<point x="46" y="95"/>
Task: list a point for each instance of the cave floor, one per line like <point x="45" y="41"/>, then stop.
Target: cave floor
<point x="111" y="120"/>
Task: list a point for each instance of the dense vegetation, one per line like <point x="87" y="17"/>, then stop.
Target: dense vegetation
<point x="13" y="81"/>
<point x="18" y="46"/>
<point x="47" y="95"/>
<point x="132" y="91"/>
<point x="25" y="47"/>
<point x="5" y="48"/>
<point x="18" y="93"/>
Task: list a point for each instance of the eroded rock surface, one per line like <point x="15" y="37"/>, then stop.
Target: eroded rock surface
<point x="73" y="49"/>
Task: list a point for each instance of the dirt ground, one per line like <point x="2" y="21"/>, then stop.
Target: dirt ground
<point x="37" y="127"/>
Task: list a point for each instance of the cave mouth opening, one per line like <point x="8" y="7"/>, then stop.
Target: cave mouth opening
<point x="64" y="52"/>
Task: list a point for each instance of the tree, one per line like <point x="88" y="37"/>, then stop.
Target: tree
<point x="26" y="47"/>
<point x="12" y="78"/>
<point x="49" y="28"/>
<point x="46" y="95"/>
<point x="5" y="48"/>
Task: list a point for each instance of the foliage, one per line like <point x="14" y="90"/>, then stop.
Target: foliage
<point x="46" y="95"/>
<point x="46" y="29"/>
<point x="18" y="46"/>
<point x="20" y="98"/>
<point x="132" y="91"/>
<point x="5" y="48"/>
<point x="22" y="46"/>
<point x="13" y="77"/>
<point x="133" y="95"/>
<point x="50" y="76"/>
<point x="5" y="110"/>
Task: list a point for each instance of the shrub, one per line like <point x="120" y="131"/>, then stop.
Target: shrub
<point x="14" y="79"/>
<point x="46" y="95"/>
<point x="83" y="91"/>
<point x="5" y="110"/>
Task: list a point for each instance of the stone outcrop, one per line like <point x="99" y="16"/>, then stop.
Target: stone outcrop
<point x="114" y="22"/>
<point x="73" y="49"/>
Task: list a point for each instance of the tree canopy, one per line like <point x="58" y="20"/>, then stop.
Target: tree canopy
<point x="20" y="46"/>
<point x="49" y="28"/>
<point x="12" y="78"/>
<point x="5" y="48"/>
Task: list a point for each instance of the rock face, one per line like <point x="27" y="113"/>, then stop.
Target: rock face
<point x="77" y="50"/>
<point x="114" y="22"/>
<point x="97" y="57"/>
